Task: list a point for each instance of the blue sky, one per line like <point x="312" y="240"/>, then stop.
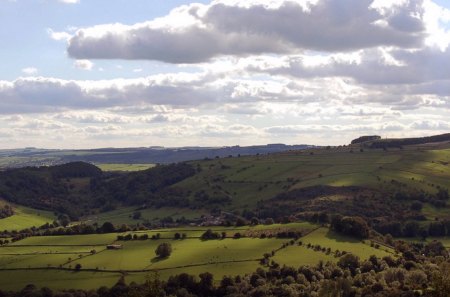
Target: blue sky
<point x="25" y="23"/>
<point x="91" y="73"/>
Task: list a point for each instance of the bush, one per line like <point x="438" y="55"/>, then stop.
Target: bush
<point x="209" y="234"/>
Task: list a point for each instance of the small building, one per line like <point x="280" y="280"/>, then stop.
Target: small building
<point x="114" y="247"/>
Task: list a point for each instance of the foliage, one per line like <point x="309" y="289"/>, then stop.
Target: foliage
<point x="75" y="188"/>
<point x="351" y="226"/>
<point x="164" y="250"/>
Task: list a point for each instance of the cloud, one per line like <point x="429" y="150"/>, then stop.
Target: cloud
<point x="58" y="36"/>
<point x="69" y="1"/>
<point x="83" y="64"/>
<point x="40" y="94"/>
<point x="30" y="71"/>
<point x="197" y="33"/>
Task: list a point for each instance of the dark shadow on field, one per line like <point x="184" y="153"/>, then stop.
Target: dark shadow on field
<point x="158" y="259"/>
<point x="340" y="238"/>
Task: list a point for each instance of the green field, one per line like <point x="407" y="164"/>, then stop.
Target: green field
<point x="432" y="213"/>
<point x="47" y="260"/>
<point x="125" y="215"/>
<point x="124" y="167"/>
<point x="302" y="255"/>
<point x="329" y="239"/>
<point x="25" y="217"/>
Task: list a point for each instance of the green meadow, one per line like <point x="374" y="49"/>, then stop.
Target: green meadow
<point x="25" y="217"/>
<point x="50" y="260"/>
<point x="124" y="167"/>
<point x="124" y="215"/>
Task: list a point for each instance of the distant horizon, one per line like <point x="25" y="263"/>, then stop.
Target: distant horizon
<point x="199" y="146"/>
<point x="153" y="146"/>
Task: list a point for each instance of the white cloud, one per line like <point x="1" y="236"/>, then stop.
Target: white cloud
<point x="197" y="33"/>
<point x="59" y="36"/>
<point x="30" y="71"/>
<point x="69" y="1"/>
<point x="83" y="64"/>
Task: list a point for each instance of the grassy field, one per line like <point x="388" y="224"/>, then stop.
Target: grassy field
<point x="329" y="239"/>
<point x="431" y="212"/>
<point x="125" y="215"/>
<point x="300" y="255"/>
<point x="124" y="167"/>
<point x="25" y="217"/>
<point x="47" y="260"/>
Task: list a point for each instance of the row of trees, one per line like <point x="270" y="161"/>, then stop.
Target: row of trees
<point x="413" y="228"/>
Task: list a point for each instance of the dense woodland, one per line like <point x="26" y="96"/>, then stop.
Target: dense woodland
<point x="77" y="188"/>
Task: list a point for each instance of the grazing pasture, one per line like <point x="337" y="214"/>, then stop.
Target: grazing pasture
<point x="25" y="217"/>
<point x="124" y="167"/>
<point x="124" y="215"/>
<point x="51" y="260"/>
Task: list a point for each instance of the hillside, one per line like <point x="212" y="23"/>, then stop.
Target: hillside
<point x="381" y="185"/>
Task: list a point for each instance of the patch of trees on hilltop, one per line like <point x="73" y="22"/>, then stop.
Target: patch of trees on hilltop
<point x="75" y="170"/>
<point x="33" y="187"/>
<point x="398" y="143"/>
<point x="363" y="139"/>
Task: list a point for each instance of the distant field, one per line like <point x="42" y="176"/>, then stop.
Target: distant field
<point x="432" y="212"/>
<point x="39" y="260"/>
<point x="124" y="167"/>
<point x="25" y="217"/>
<point x="125" y="215"/>
<point x="445" y="240"/>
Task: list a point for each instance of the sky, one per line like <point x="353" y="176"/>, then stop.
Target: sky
<point x="132" y="73"/>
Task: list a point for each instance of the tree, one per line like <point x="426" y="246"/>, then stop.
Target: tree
<point x="441" y="281"/>
<point x="349" y="261"/>
<point x="164" y="250"/>
<point x="108" y="227"/>
<point x="352" y="226"/>
<point x="240" y="222"/>
<point x="254" y="221"/>
<point x="269" y="221"/>
<point x="78" y="267"/>
<point x="209" y="234"/>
